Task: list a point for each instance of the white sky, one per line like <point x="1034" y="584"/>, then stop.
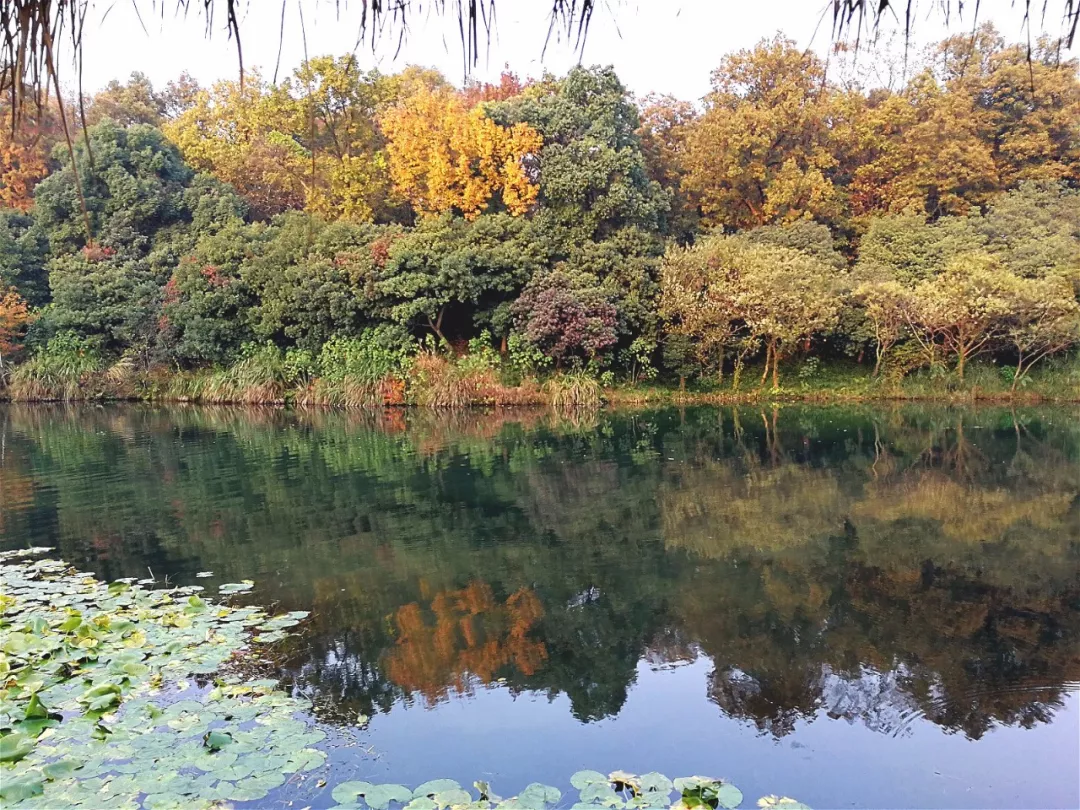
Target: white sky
<point x="666" y="46"/>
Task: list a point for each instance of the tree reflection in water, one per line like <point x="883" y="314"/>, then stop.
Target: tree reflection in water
<point x="885" y="567"/>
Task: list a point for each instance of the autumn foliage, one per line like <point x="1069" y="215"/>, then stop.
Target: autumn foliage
<point x="14" y="317"/>
<point x="445" y="156"/>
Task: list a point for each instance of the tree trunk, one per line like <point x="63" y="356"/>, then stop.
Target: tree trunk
<point x="436" y="325"/>
<point x="682" y="383"/>
<point x="878" y="354"/>
<point x="768" y="357"/>
<point x="961" y="359"/>
<point x="502" y="345"/>
<point x="775" y="368"/>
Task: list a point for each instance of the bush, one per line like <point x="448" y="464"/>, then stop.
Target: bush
<point x="575" y="390"/>
<point x="58" y="371"/>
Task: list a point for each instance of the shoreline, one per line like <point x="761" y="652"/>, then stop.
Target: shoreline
<point x="608" y="398"/>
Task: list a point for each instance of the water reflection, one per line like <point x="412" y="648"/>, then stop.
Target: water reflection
<point x="891" y="568"/>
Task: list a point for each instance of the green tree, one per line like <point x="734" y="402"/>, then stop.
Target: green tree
<point x="965" y="310"/>
<point x="133" y="102"/>
<point x="24" y="249"/>
<point x="456" y="277"/>
<point x="594" y="178"/>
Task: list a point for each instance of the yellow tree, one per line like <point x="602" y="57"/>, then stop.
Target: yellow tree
<point x="247" y="137"/>
<point x="351" y="178"/>
<point x="1028" y="100"/>
<point x="923" y="149"/>
<point x="444" y="156"/>
<point x="665" y="123"/>
<point x="761" y="153"/>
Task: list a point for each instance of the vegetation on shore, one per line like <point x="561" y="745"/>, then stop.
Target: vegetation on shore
<point x="268" y="377"/>
<point x="96" y="698"/>
<point x="344" y="237"/>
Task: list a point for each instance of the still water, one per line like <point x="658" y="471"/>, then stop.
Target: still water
<point x="854" y="607"/>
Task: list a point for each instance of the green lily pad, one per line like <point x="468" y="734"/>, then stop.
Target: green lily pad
<point x="729" y="797"/>
<point x="15" y="746"/>
<point x="429" y="789"/>
<point x="61" y="768"/>
<point x="22" y="787"/>
<point x="236" y="587"/>
<point x="655" y="782"/>
<point x="454" y="796"/>
<point x="583" y="779"/>
<point x="601" y="794"/>
<point x="538" y="795"/>
<point x="216" y="740"/>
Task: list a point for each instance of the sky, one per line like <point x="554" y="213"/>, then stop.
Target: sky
<point x="663" y="46"/>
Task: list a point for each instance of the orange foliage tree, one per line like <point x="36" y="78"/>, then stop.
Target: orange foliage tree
<point x="14" y="317"/>
<point x="445" y="155"/>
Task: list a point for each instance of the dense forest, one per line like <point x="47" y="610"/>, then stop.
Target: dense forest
<point x="344" y="236"/>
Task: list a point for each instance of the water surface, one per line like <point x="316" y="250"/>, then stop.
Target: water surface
<point x="855" y="607"/>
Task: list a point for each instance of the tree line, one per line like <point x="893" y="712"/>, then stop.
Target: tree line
<point x="338" y="222"/>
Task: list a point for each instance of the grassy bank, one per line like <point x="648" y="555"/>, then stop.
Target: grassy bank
<point x="437" y="381"/>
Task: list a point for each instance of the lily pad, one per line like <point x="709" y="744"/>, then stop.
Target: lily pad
<point x="15" y="746"/>
<point x="429" y="789"/>
<point x="449" y="798"/>
<point x="236" y="587"/>
<point x="729" y="797"/>
<point x="20" y="788"/>
<point x="655" y="782"/>
<point x="583" y="779"/>
<point x="538" y="795"/>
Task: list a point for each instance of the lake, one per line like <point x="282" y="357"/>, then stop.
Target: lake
<point x="864" y="607"/>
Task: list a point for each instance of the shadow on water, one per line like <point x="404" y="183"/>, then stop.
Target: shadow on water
<point x="896" y="569"/>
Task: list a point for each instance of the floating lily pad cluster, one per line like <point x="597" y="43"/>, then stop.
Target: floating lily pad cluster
<point x="595" y="791"/>
<point x="96" y="705"/>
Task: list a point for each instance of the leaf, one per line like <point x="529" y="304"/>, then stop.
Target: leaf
<point x="61" y="768"/>
<point x="23" y="787"/>
<point x="435" y="786"/>
<point x="583" y="779"/>
<point x="654" y="781"/>
<point x="216" y="740"/>
<point x="380" y="796"/>
<point x="422" y="803"/>
<point x="729" y="797"/>
<point x="685" y="784"/>
<point x="600" y="793"/>
<point x="14" y="747"/>
<point x="538" y="795"/>
<point x="236" y="587"/>
<point x="451" y="797"/>
<point x="204" y="574"/>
